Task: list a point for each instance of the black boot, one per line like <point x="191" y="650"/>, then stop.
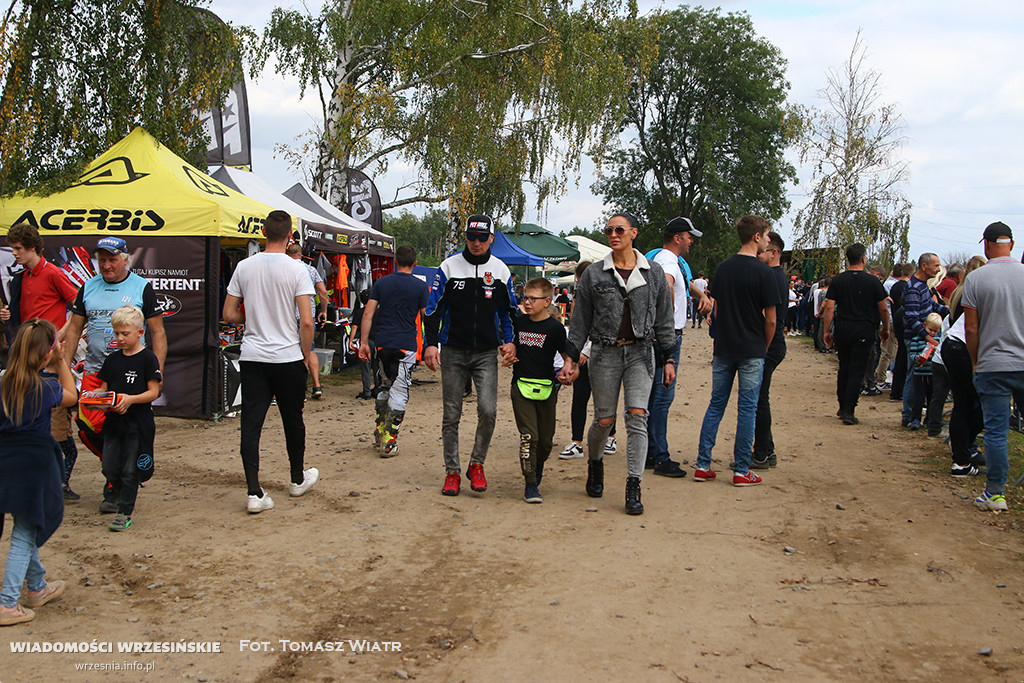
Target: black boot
<point x="633" y="504"/>
<point x="595" y="478"/>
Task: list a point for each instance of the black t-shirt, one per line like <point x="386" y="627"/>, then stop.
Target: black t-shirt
<point x="856" y="293"/>
<point x="130" y="375"/>
<point x="536" y="346"/>
<point x="399" y="297"/>
<point x="744" y="287"/>
<point x="782" y="308"/>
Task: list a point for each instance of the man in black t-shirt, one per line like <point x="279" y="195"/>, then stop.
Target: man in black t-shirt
<point x="764" y="445"/>
<point x="745" y="294"/>
<point x="857" y="301"/>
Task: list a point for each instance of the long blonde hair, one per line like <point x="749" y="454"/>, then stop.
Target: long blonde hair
<point x="33" y="343"/>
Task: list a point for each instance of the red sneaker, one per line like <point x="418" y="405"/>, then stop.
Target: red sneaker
<point x="452" y="484"/>
<point x="477" y="481"/>
<point x="703" y="475"/>
<point x="748" y="479"/>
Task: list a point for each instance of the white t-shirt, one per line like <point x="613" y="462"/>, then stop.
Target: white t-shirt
<point x="267" y="284"/>
<point x="669" y="262"/>
<point x="701" y="284"/>
<point x="793" y="298"/>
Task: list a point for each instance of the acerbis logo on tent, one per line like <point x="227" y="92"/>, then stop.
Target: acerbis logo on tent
<point x="117" y="171"/>
<point x="95" y="219"/>
<point x="204" y="182"/>
<point x="169" y="305"/>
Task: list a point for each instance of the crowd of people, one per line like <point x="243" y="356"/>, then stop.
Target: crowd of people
<point x="962" y="334"/>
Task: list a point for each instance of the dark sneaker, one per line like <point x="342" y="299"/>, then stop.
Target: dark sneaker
<point x="477" y="480"/>
<point x="108" y="506"/>
<point x="704" y="475"/>
<point x="452" y="484"/>
<point x="364" y="395"/>
<point x="978" y="460"/>
<point x="964" y="471"/>
<point x="914" y="426"/>
<point x="318" y="393"/>
<point x="873" y="391"/>
<point x="759" y="464"/>
<point x="748" y="479"/>
<point x="850" y="420"/>
<point x="121" y="522"/>
<point x="69" y="495"/>
<point x="669" y="468"/>
<point x="532" y="494"/>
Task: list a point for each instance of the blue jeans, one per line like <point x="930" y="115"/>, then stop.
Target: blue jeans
<point x="914" y="394"/>
<point x="994" y="391"/>
<point x="657" y="409"/>
<point x="723" y="371"/>
<point x="22" y="563"/>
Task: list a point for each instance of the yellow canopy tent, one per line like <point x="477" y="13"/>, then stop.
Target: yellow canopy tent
<point x="139" y="191"/>
<point x="139" y="187"/>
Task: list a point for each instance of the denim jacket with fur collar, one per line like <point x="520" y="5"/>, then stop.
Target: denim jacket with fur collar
<point x="598" y="307"/>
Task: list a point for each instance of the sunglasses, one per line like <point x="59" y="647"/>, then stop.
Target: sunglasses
<point x="476" y="237"/>
<point x="618" y="230"/>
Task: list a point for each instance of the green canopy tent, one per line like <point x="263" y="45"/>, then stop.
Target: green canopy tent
<point x="540" y="242"/>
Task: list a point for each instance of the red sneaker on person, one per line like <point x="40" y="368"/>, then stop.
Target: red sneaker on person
<point x="748" y="479"/>
<point x="452" y="484"/>
<point x="703" y="475"/>
<point x="477" y="481"/>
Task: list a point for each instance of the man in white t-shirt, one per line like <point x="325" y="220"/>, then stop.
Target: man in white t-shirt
<point x="700" y="283"/>
<point x="679" y="235"/>
<point x="271" y="285"/>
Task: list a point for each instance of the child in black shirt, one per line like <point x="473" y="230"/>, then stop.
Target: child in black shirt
<point x="538" y="337"/>
<point x="133" y="373"/>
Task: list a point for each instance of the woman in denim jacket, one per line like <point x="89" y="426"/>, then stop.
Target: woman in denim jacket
<point x="623" y="305"/>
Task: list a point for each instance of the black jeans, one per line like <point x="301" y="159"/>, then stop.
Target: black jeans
<point x="120" y="455"/>
<point x="937" y="399"/>
<point x="899" y="369"/>
<point x="764" y="445"/>
<point x="853" y="344"/>
<point x="966" y="422"/>
<point x="262" y="382"/>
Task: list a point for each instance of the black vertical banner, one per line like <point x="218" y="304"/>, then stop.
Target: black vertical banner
<point x="362" y="201"/>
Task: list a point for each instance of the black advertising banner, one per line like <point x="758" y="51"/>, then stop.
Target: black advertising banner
<point x="362" y="201"/>
<point x="180" y="275"/>
<point x="333" y="239"/>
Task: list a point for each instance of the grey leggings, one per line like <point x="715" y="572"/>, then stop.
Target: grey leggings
<point x="632" y="368"/>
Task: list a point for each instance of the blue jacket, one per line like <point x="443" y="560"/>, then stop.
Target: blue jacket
<point x="470" y="303"/>
<point x="31" y="464"/>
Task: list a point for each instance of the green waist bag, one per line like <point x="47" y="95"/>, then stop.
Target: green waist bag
<point x="535" y="389"/>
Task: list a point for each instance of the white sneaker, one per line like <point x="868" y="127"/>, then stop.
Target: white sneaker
<point x="610" y="446"/>
<point x="257" y="505"/>
<point x="309" y="478"/>
<point x="572" y="451"/>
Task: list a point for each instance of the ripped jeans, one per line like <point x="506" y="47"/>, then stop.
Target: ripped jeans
<point x="631" y="368"/>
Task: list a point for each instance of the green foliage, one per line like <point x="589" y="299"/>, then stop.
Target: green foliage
<point x="78" y="75"/>
<point x="479" y="97"/>
<point x="708" y="129"/>
<point x="852" y="145"/>
<point x="596" y="234"/>
<point x="426" y="234"/>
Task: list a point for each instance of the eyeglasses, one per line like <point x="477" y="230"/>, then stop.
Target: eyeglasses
<point x="535" y="298"/>
<point x="476" y="237"/>
<point x="617" y="229"/>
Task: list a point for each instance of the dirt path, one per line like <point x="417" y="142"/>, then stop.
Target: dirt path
<point x="894" y="576"/>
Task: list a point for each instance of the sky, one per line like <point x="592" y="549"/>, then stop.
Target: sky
<point x="953" y="69"/>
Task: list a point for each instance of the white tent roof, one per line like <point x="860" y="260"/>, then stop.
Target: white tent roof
<point x="589" y="249"/>
<point x="251" y="185"/>
<point x="305" y="196"/>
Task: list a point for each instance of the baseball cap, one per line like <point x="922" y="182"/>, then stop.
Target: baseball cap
<point x="998" y="232"/>
<point x="682" y="224"/>
<point x="115" y="245"/>
<point x="480" y="223"/>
